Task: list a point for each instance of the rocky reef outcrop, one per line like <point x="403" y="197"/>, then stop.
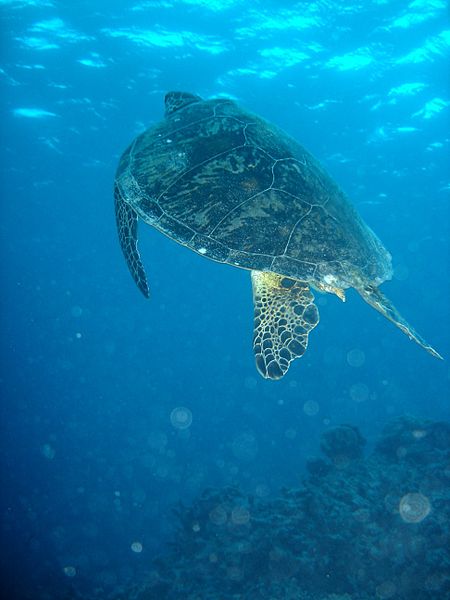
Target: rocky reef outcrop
<point x="357" y="528"/>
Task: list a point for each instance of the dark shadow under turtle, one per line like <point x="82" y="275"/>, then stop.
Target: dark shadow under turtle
<point x="238" y="190"/>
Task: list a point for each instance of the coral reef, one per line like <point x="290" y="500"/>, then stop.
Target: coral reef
<point x="342" y="443"/>
<point x="357" y="528"/>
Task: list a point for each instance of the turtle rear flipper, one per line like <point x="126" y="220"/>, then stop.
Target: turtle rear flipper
<point x="127" y="222"/>
<point x="285" y="313"/>
<point x="372" y="295"/>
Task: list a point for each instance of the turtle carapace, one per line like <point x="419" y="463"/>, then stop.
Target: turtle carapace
<point x="235" y="188"/>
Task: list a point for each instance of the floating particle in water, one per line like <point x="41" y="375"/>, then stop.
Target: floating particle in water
<point x="240" y="515"/>
<point x="243" y="547"/>
<point x="262" y="490"/>
<point x="332" y="356"/>
<point x="196" y="527"/>
<point x="69" y="571"/>
<point x="110" y="348"/>
<point x="290" y="433"/>
<point x="181" y="417"/>
<point x="157" y="441"/>
<point x="418" y="434"/>
<point x="162" y="471"/>
<point x="385" y="590"/>
<point x="359" y="392"/>
<point x="218" y="515"/>
<point x="401" y="272"/>
<point x="48" y="451"/>
<point x="391" y="503"/>
<point x="139" y="496"/>
<point x="107" y="577"/>
<point x="250" y="383"/>
<point x="90" y="530"/>
<point x="311" y="408"/>
<point x="414" y="507"/>
<point x="137" y="547"/>
<point x="76" y="311"/>
<point x="356" y="358"/>
<point x="234" y="573"/>
<point x="401" y="452"/>
<point x="435" y="582"/>
<point x="362" y="515"/>
<point x="245" y="447"/>
<point x="341" y="461"/>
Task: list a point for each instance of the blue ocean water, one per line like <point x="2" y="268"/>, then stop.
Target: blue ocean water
<point x="93" y="456"/>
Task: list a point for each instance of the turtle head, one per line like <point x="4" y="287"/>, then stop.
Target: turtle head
<point x="176" y="100"/>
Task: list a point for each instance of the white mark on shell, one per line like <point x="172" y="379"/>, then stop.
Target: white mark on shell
<point x="330" y="279"/>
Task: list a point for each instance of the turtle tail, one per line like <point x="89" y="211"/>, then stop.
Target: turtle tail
<point x="127" y="223"/>
<point x="372" y="295"/>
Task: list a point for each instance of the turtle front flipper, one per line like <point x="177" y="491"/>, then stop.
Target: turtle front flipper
<point x="372" y="295"/>
<point x="285" y="313"/>
<point x="126" y="219"/>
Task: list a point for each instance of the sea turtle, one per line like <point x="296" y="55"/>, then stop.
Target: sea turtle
<point x="236" y="189"/>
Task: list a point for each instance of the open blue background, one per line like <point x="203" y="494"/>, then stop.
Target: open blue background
<point x="90" y="370"/>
